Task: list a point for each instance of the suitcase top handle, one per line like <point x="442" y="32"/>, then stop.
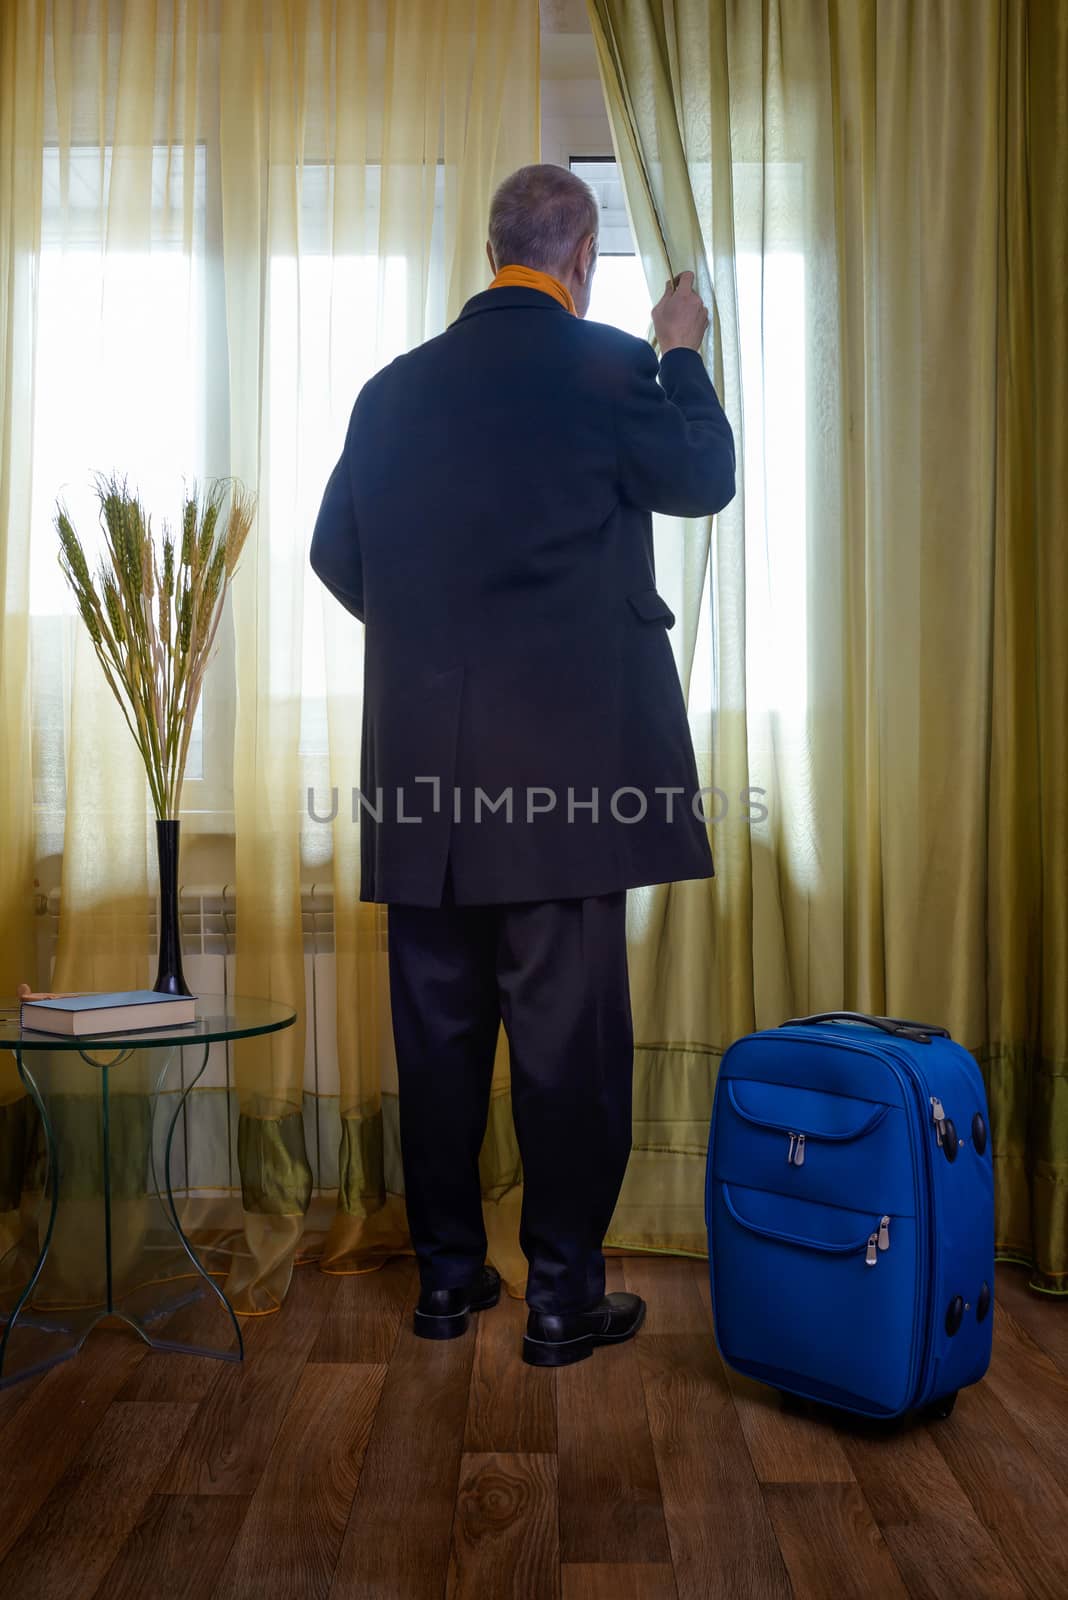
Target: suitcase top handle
<point x="919" y="1032"/>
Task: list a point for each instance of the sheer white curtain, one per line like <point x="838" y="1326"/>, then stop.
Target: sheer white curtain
<point x="218" y="220"/>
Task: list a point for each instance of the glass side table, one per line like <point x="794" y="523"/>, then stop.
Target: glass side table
<point x="91" y="1228"/>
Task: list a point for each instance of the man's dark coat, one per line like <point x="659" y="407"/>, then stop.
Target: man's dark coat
<point x="489" y="522"/>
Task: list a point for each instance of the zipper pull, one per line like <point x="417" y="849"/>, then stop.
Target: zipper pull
<point x="884" y="1234"/>
<point x="873" y="1251"/>
<point x="790" y="1152"/>
<point x="939" y="1115"/>
<point x="799" y="1153"/>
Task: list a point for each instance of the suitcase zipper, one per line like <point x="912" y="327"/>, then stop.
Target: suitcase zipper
<point x="880" y="1240"/>
<point x="796" y="1154"/>
<point x="938" y="1115"/>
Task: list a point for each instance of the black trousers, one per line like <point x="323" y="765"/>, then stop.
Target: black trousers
<point x="555" y="972"/>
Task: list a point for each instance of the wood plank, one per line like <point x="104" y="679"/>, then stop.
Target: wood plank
<point x="977" y="1504"/>
<point x="610" y="1507"/>
<point x="176" y="1550"/>
<point x="166" y="1375"/>
<point x="362" y="1324"/>
<point x="505" y="1538"/>
<point x="1033" y="1390"/>
<point x="722" y="1542"/>
<point x="61" y="1412"/>
<point x="614" y="1581"/>
<point x="289" y="1541"/>
<point x="675" y="1291"/>
<point x="64" y="1552"/>
<point x="789" y="1442"/>
<point x="410" y="1472"/>
<point x="226" y="1448"/>
<point x="14" y="1395"/>
<point x="1043" y="1316"/>
<point x="924" y="1515"/>
<point x="1015" y="1495"/>
<point x="512" y="1407"/>
<point x="830" y="1542"/>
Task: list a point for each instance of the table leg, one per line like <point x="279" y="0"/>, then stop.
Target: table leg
<point x="180" y="1336"/>
<point x="27" y="1347"/>
<point x="99" y="1202"/>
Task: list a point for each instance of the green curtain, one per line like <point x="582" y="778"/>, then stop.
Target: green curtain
<point x="875" y="200"/>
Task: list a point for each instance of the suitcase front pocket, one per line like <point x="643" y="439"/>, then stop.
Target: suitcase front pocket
<point x="871" y="1243"/>
<point x="841" y="1128"/>
<point x="816" y="1299"/>
<point x="819" y="1146"/>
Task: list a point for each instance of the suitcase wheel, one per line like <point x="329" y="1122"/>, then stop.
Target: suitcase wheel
<point x="940" y="1409"/>
<point x="793" y="1402"/>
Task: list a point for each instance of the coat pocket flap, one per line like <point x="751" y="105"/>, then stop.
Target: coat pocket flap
<point x="652" y="607"/>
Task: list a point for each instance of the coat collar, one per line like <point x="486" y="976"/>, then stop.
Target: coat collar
<point x="513" y="298"/>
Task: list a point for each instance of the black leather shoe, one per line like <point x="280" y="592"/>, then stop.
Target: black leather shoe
<point x="557" y="1341"/>
<point x="443" y="1313"/>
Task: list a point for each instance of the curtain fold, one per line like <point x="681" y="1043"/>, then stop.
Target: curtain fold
<point x="875" y="197"/>
<point x="264" y="84"/>
<point x="1035" y="1224"/>
<point x="21" y="118"/>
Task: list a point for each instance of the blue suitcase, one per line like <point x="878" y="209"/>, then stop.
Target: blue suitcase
<point x="849" y="1200"/>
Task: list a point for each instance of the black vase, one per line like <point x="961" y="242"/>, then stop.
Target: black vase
<point x="169" y="978"/>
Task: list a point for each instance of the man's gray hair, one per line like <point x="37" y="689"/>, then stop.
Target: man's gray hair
<point x="539" y="216"/>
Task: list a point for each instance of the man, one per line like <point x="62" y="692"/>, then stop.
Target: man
<point x="526" y="754"/>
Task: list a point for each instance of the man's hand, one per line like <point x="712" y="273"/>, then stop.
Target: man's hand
<point x="680" y="317"/>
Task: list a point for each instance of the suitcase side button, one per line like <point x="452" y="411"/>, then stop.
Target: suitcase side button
<point x="979" y="1133"/>
<point x="982" y="1305"/>
<point x="954" y="1315"/>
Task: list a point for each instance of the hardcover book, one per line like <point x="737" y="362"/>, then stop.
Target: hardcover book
<point x="78" y="1014"/>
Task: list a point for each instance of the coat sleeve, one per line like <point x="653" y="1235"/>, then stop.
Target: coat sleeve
<point x="674" y="443"/>
<point x="335" y="546"/>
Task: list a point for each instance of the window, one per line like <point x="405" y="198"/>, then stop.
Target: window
<point x="119" y="384"/>
<point x="131" y="378"/>
<point x="619" y="295"/>
<point x="155" y="309"/>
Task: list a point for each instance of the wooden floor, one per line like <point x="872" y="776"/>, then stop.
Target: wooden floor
<point x="348" y="1458"/>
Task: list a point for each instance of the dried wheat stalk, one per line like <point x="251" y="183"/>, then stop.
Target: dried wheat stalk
<point x="153" y="613"/>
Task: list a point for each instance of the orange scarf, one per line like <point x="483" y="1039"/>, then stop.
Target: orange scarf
<point x="531" y="278"/>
